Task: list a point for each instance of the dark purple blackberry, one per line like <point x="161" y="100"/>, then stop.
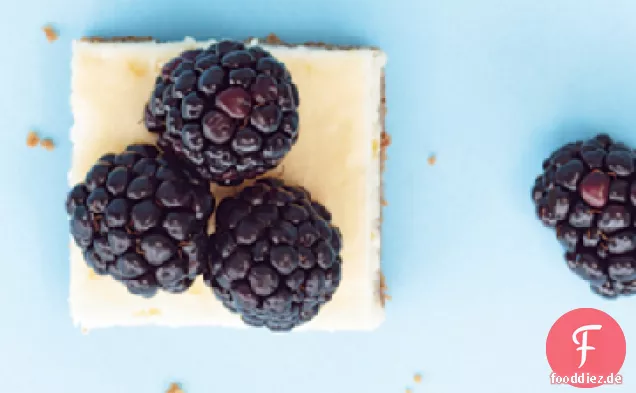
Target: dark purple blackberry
<point x="136" y="219"/>
<point x="587" y="193"/>
<point x="275" y="256"/>
<point x="228" y="112"/>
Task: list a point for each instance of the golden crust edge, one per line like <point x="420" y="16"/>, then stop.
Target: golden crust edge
<point x="271" y="39"/>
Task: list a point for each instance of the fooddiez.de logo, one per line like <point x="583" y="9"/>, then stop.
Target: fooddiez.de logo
<point x="586" y="348"/>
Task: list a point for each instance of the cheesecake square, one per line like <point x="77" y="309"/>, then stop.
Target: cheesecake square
<point x="338" y="158"/>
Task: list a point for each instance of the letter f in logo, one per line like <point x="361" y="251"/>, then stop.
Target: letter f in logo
<point x="584" y="347"/>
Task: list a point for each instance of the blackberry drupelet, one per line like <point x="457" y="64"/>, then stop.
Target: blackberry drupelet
<point x="587" y="193"/>
<point x="274" y="258"/>
<point x="229" y="112"/>
<point x="136" y="219"/>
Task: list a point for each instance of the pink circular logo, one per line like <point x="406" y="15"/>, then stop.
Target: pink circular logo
<point x="586" y="348"/>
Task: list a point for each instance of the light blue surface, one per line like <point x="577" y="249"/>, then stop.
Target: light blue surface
<point x="491" y="87"/>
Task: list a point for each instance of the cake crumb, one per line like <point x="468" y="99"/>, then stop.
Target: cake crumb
<point x="385" y="141"/>
<point x="383" y="202"/>
<point x="32" y="139"/>
<point x="417" y="378"/>
<point x="47" y="144"/>
<point x="273" y="39"/>
<point x="409" y="390"/>
<point x="51" y="34"/>
<point x="384" y="296"/>
<point x="85" y="331"/>
<point x="174" y="388"/>
<point x="432" y="159"/>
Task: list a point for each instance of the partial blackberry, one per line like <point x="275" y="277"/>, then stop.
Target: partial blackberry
<point x="136" y="219"/>
<point x="229" y="111"/>
<point x="275" y="255"/>
<point x="587" y="193"/>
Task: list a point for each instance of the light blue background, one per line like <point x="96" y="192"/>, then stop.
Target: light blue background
<point x="491" y="87"/>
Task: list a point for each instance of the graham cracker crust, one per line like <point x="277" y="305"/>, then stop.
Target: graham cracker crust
<point x="273" y="39"/>
<point x="115" y="39"/>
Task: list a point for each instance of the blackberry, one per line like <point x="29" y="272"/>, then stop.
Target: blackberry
<point x="136" y="219"/>
<point x="229" y="111"/>
<point x="587" y="193"/>
<point x="275" y="256"/>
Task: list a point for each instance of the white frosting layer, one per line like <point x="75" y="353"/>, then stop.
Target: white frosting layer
<point x="337" y="158"/>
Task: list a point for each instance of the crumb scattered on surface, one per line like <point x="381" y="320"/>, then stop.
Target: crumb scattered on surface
<point x="417" y="378"/>
<point x="85" y="331"/>
<point x="51" y="34"/>
<point x="47" y="144"/>
<point x="384" y="202"/>
<point x="432" y="159"/>
<point x="32" y="139"/>
<point x="174" y="388"/>
<point x="384" y="296"/>
<point x="409" y="390"/>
